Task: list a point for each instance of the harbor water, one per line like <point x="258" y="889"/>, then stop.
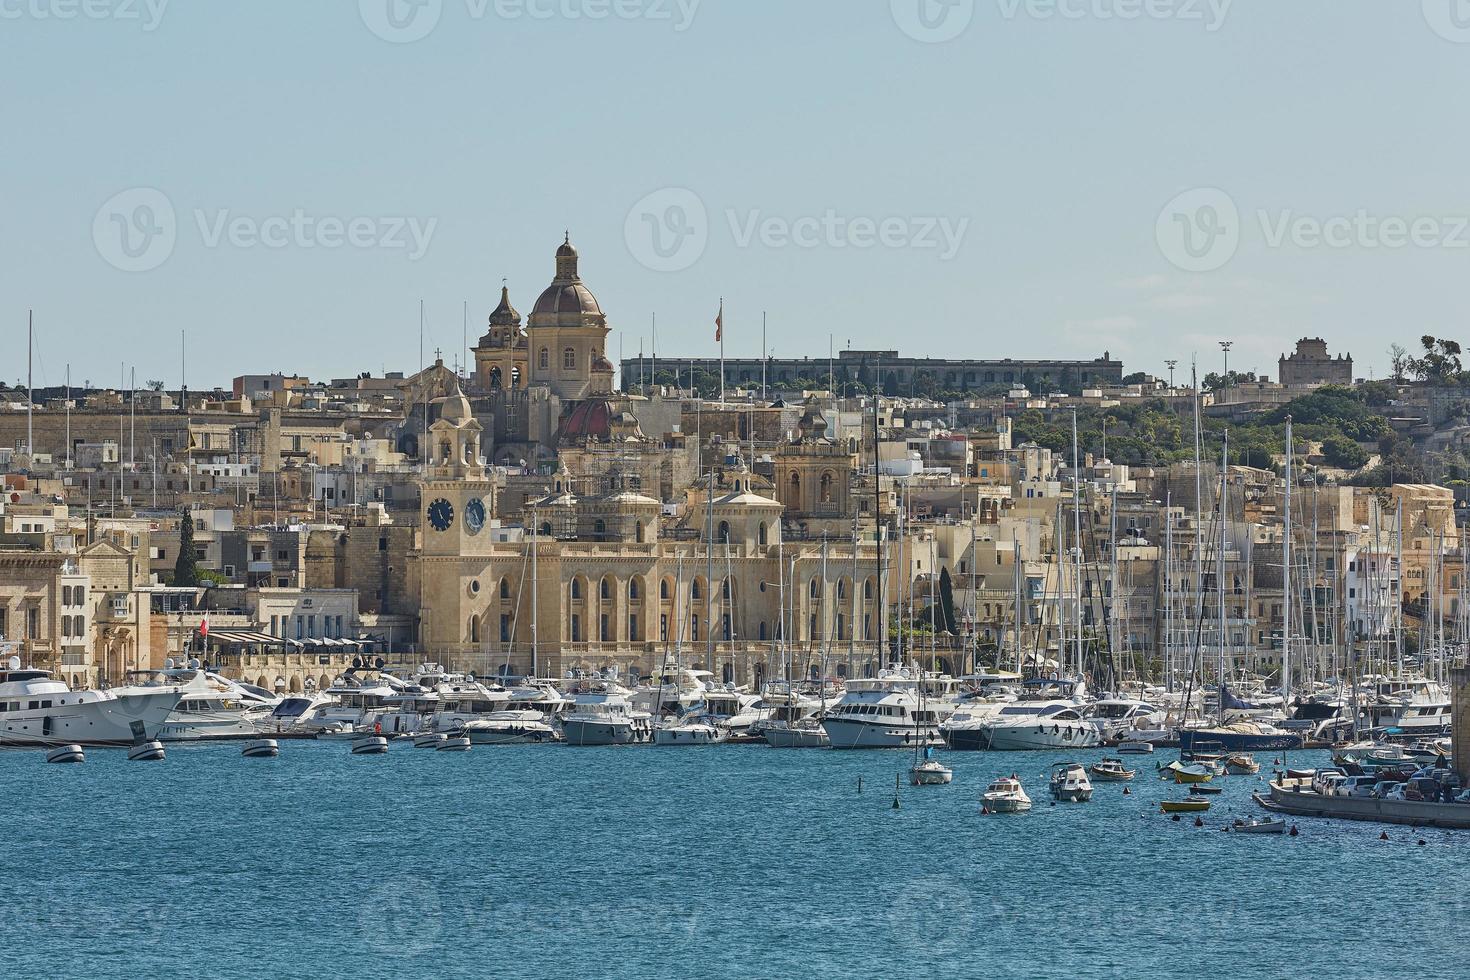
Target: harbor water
<point x="724" y="861"/>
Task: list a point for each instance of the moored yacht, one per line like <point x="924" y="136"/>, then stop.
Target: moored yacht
<point x="210" y="706"/>
<point x="603" y="715"/>
<point x="884" y="712"/>
<point x="1005" y="795"/>
<point x="1037" y="725"/>
<point x="510" y="727"/>
<point x="37" y="709"/>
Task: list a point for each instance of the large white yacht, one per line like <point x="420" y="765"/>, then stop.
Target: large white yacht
<point x="604" y="715"/>
<point x="510" y="727"/>
<point x="1414" y="706"/>
<point x="1032" y="725"/>
<point x="210" y="706"/>
<point x="1119" y="719"/>
<point x="37" y="709"/>
<point x="885" y="712"/>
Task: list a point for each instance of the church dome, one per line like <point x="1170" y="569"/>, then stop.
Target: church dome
<point x="566" y="300"/>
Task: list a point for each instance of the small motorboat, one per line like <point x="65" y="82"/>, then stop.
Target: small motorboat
<point x="930" y="772"/>
<point x="370" y="745"/>
<point x="1005" y="795"/>
<point x="151" y="751"/>
<point x="1193" y="804"/>
<point x="1135" y="748"/>
<point x="1204" y="789"/>
<point x="261" y="748"/>
<point x="1111" y="771"/>
<point x="1254" y="826"/>
<point x="66" y="753"/>
<point x="340" y="731"/>
<point x="458" y="743"/>
<point x="1069" y="783"/>
<point x="1242" y="765"/>
<point x="1186" y="775"/>
<point x="431" y="740"/>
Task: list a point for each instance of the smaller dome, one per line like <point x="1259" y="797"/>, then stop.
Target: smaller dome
<point x="567" y="250"/>
<point x="505" y="314"/>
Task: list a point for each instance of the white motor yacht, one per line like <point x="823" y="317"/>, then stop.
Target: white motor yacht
<point x="693" y="731"/>
<point x="210" y="706"/>
<point x="510" y="727"/>
<point x="805" y="734"/>
<point x="1035" y="725"/>
<point x="1005" y="795"/>
<point x="37" y="709"/>
<point x="884" y="712"/>
<point x="1118" y="719"/>
<point x="603" y="715"/>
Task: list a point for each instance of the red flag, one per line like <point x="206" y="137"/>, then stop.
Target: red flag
<point x="204" y="628"/>
<point x="720" y="323"/>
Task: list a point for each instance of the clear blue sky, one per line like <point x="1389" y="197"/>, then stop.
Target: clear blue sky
<point x="1059" y="139"/>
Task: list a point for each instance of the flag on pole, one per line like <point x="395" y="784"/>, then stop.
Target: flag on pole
<point x="720" y="323"/>
<point x="204" y="628"/>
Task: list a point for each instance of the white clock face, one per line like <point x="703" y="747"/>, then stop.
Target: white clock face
<point x="474" y="515"/>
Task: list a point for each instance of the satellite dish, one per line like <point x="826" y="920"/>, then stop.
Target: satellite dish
<point x="168" y="664"/>
<point x="194" y="663"/>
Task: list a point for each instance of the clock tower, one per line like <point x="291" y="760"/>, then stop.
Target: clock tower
<point x="458" y="496"/>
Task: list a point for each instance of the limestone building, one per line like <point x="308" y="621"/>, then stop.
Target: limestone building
<point x="1312" y="365"/>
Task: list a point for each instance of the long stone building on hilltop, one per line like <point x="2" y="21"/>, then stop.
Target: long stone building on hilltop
<point x="1312" y="365"/>
<point x="898" y="375"/>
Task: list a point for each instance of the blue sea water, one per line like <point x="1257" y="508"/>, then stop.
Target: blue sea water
<point x="722" y="861"/>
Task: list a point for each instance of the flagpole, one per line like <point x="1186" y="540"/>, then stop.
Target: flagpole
<point x="763" y="355"/>
<point x="720" y="336"/>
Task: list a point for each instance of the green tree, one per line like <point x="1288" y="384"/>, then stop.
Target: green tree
<point x="1440" y="363"/>
<point x="1344" y="453"/>
<point x="186" y="565"/>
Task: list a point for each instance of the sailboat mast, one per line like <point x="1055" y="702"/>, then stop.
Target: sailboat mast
<point x="30" y="389"/>
<point x="535" y="596"/>
<point x="1286" y="592"/>
<point x="880" y="636"/>
<point x="1077" y="537"/>
<point x="1220" y="555"/>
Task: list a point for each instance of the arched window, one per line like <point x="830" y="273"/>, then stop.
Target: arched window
<point x="663" y="589"/>
<point x="600" y="527"/>
<point x="725" y="531"/>
<point x="795" y="486"/>
<point x="816" y="589"/>
<point x="633" y="589"/>
<point x="543" y="360"/>
<point x="505" y="588"/>
<point x="826" y="488"/>
<point x="569" y="359"/>
<point x="638" y="531"/>
<point x="607" y="587"/>
<point x="842" y="588"/>
<point x="762" y="633"/>
<point x="576" y="588"/>
<point x="474" y="629"/>
<point x="726" y="589"/>
<point x="761" y="534"/>
<point x="868" y="589"/>
<point x="694" y="589"/>
<point x="546" y="529"/>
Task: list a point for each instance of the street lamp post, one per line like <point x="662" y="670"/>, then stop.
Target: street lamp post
<point x="1225" y="346"/>
<point x="1171" y="373"/>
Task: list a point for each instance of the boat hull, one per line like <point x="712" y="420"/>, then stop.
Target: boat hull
<point x="1032" y="737"/>
<point x="1207" y="739"/>
<point x="579" y="732"/>
<point x="851" y="734"/>
<point x="1416" y="813"/>
<point x="123" y="720"/>
<point x="797" y="738"/>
